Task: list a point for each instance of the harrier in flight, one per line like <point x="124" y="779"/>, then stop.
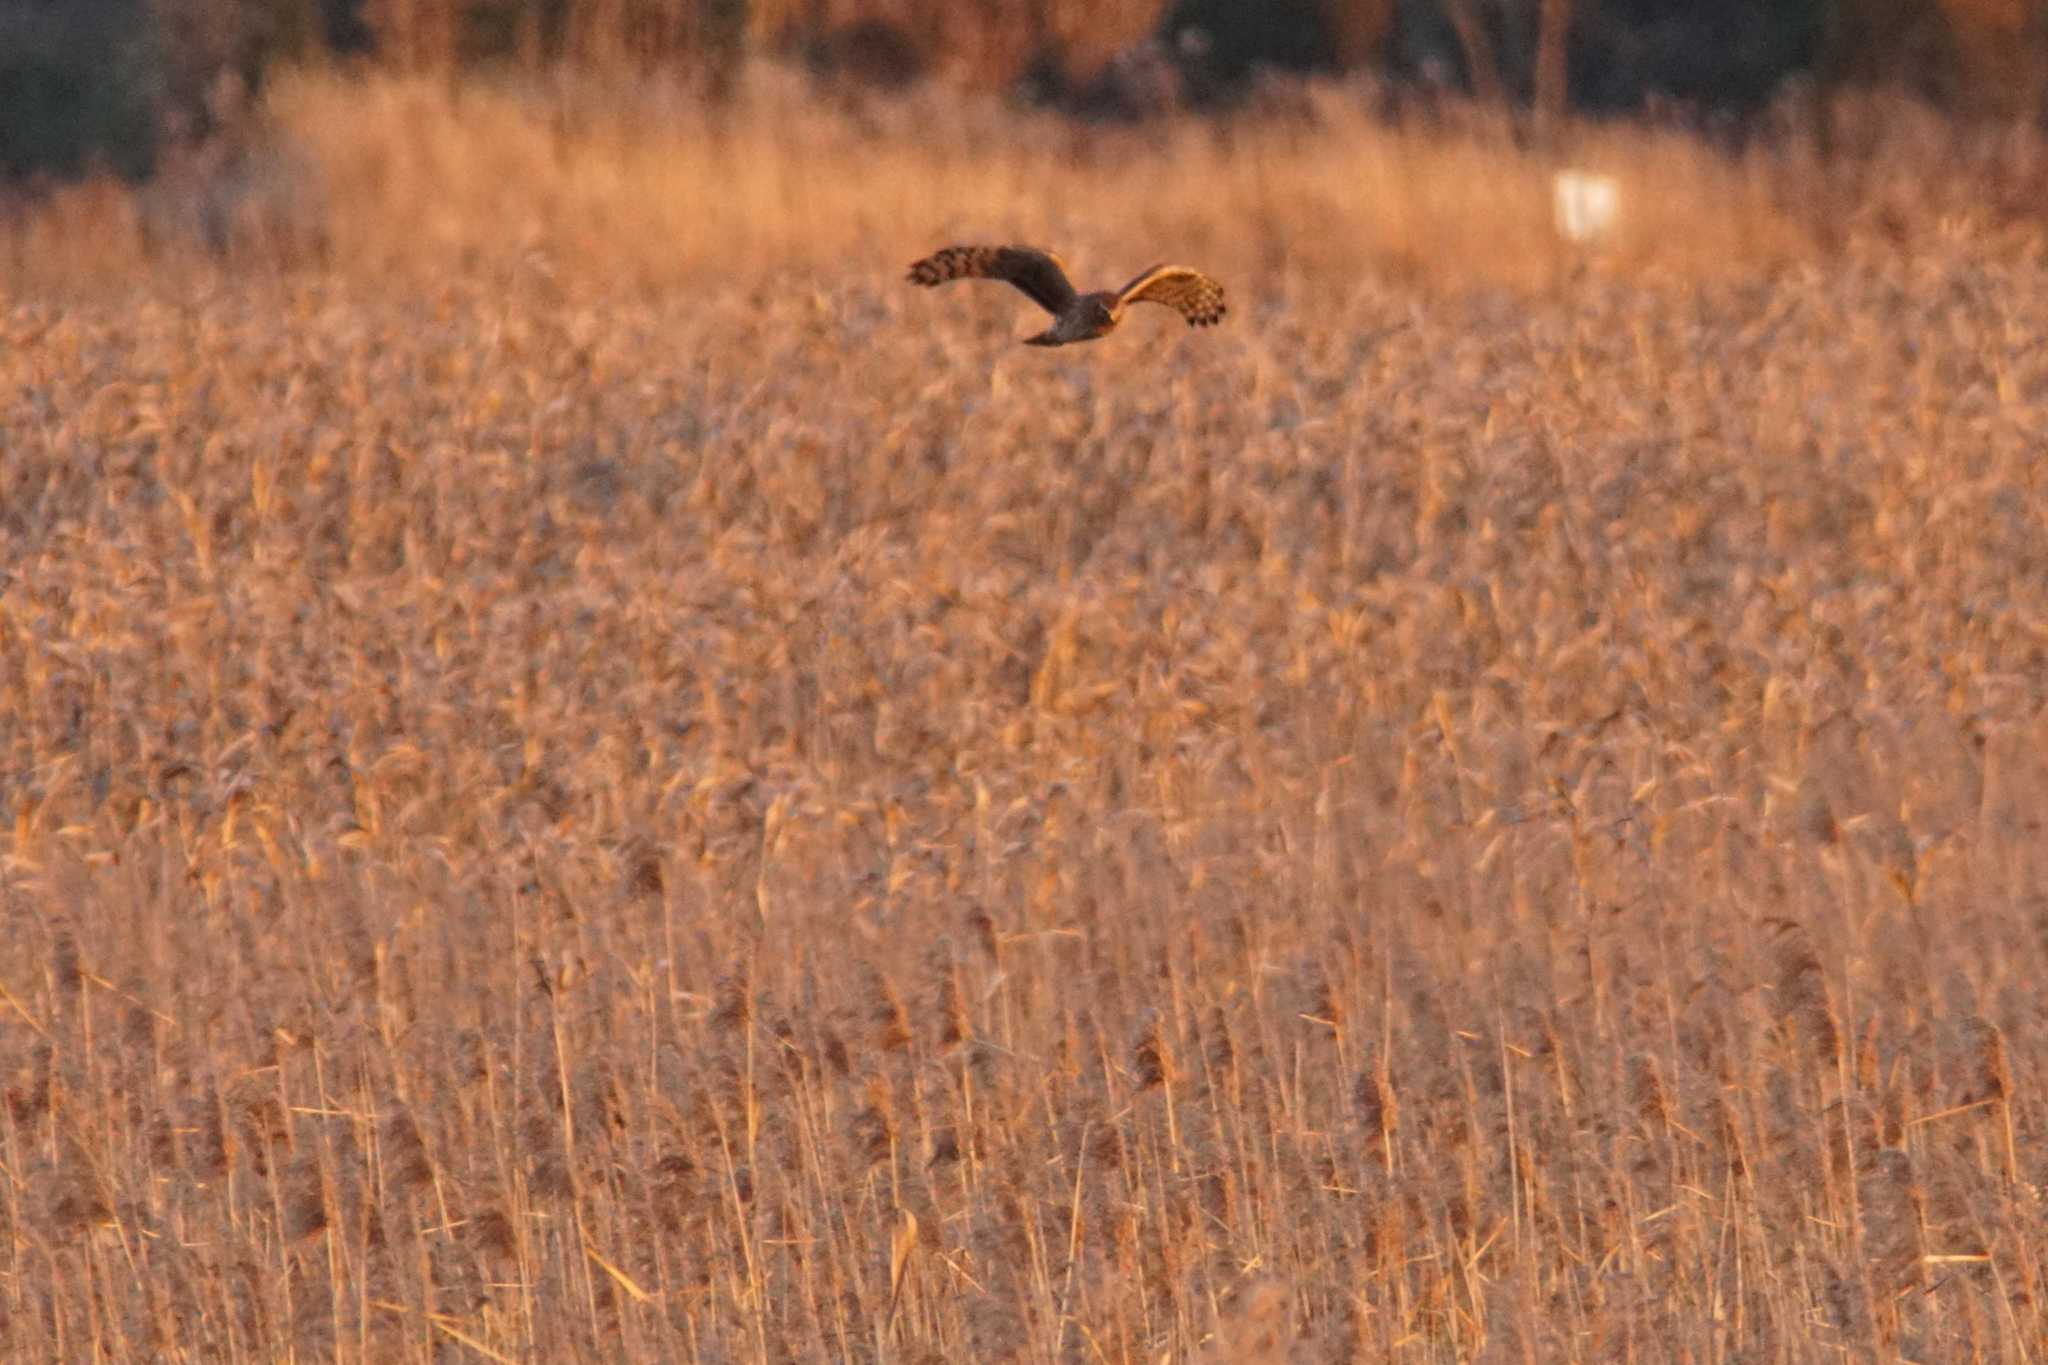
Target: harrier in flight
<point x="1075" y="316"/>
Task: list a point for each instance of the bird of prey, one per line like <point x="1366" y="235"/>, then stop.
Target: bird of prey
<point x="1075" y="316"/>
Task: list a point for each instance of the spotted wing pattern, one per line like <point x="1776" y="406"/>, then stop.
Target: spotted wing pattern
<point x="1198" y="298"/>
<point x="1038" y="273"/>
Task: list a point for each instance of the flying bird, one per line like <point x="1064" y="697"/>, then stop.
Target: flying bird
<point x="1075" y="316"/>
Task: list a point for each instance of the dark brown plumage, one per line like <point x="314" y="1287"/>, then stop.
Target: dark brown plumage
<point x="1076" y="316"/>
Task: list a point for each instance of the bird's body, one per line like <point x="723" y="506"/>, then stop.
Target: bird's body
<point x="1076" y="316"/>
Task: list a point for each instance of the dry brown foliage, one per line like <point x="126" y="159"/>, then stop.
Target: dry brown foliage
<point x="649" y="795"/>
<point x="984" y="43"/>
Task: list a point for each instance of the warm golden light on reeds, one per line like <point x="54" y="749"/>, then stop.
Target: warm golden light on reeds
<point x="583" y="779"/>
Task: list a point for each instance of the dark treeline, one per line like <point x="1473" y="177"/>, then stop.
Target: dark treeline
<point x="87" y="83"/>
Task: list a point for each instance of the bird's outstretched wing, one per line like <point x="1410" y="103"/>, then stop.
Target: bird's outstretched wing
<point x="1037" y="273"/>
<point x="1198" y="298"/>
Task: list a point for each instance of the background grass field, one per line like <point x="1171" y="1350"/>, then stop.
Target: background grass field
<point x="587" y="775"/>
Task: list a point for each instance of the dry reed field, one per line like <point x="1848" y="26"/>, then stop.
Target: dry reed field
<point x="587" y="775"/>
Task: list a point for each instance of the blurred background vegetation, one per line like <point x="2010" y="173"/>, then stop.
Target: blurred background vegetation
<point x="108" y="84"/>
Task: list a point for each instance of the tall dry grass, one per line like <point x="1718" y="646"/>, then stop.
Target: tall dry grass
<point x="412" y="179"/>
<point x="589" y="776"/>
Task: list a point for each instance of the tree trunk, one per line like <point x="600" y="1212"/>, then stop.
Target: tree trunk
<point x="1553" y="88"/>
<point x="1358" y="30"/>
<point x="1480" y="69"/>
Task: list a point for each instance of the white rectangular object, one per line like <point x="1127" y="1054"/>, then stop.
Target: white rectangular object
<point x="1586" y="204"/>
